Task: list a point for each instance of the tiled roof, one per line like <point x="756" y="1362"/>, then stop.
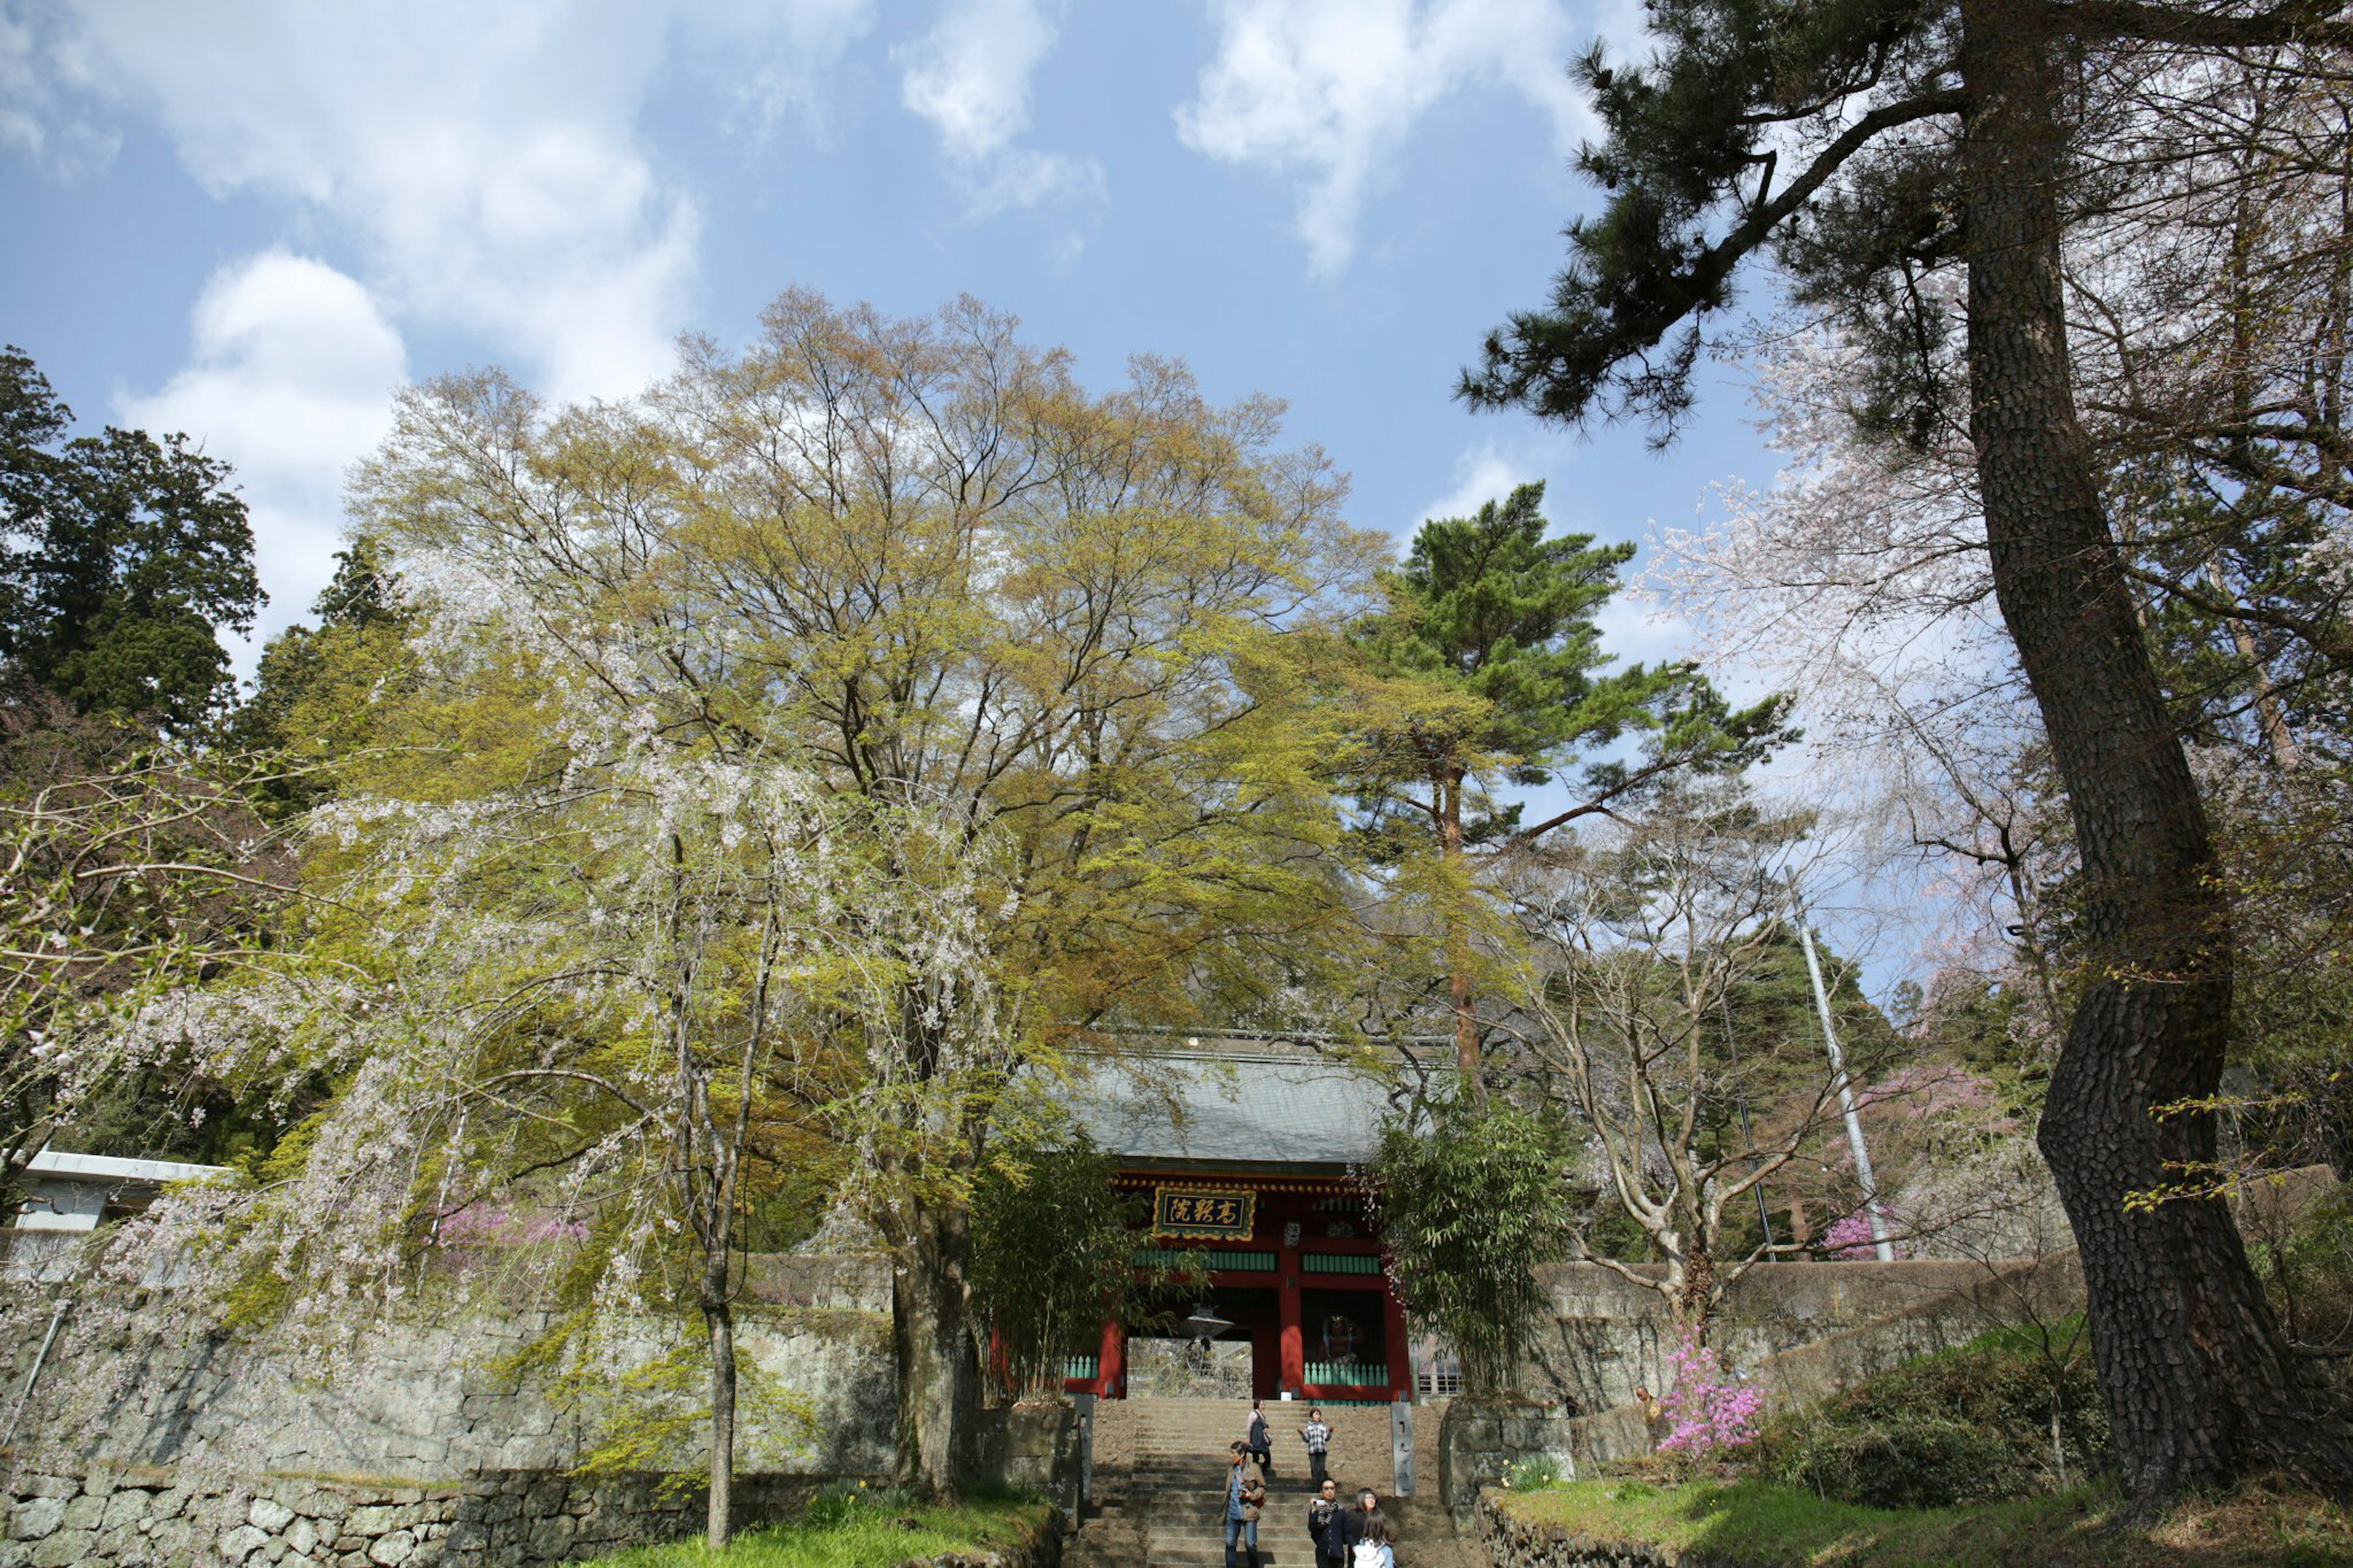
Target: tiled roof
<point x="1236" y="1106"/>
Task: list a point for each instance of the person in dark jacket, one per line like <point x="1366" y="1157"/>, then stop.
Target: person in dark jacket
<point x="1259" y="1440"/>
<point x="1353" y="1525"/>
<point x="1323" y="1513"/>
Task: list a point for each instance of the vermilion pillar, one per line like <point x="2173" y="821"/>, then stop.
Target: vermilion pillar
<point x="1294" y="1342"/>
<point x="1111" y="1361"/>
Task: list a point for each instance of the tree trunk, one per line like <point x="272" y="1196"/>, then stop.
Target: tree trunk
<point x="938" y="1371"/>
<point x="1690" y="1291"/>
<point x="719" y="1524"/>
<point x="1449" y="791"/>
<point x="2197" y="1382"/>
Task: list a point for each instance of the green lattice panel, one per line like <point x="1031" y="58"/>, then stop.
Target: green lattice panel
<point x="1339" y="1263"/>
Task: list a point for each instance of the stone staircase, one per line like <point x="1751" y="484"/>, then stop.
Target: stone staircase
<point x="1160" y="1476"/>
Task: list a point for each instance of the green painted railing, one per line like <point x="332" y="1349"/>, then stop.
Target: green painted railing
<point x="1347" y="1374"/>
<point x="1082" y="1367"/>
<point x="1339" y="1263"/>
<point x="1177" y="1257"/>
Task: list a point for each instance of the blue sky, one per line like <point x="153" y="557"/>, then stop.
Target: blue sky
<point x="251" y="221"/>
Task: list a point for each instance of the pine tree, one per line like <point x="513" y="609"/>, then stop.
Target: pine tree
<point x="1865" y="142"/>
<point x="1490" y="627"/>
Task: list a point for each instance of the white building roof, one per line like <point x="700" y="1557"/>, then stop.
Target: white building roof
<point x="108" y="1168"/>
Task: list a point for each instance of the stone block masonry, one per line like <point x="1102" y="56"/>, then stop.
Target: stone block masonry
<point x="111" y="1517"/>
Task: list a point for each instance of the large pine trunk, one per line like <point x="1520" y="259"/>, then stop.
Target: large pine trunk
<point x="939" y="1373"/>
<point x="2198" y="1384"/>
<point x="1445" y="787"/>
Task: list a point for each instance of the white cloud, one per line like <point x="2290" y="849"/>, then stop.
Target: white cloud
<point x="1482" y="474"/>
<point x="34" y="121"/>
<point x="290" y="376"/>
<point x="486" y="158"/>
<point x="970" y="77"/>
<point x="1326" y="91"/>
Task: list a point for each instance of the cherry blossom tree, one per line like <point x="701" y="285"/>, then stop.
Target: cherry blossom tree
<point x="584" y="1012"/>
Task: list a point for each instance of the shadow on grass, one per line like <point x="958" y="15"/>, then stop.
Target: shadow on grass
<point x="879" y="1531"/>
<point x="1761" y="1524"/>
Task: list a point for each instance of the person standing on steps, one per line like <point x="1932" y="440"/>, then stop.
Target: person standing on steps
<point x="1259" y="1440"/>
<point x="1349" y="1531"/>
<point x="1377" y="1549"/>
<point x="1318" y="1439"/>
<point x="1324" y="1514"/>
<point x="1245" y="1498"/>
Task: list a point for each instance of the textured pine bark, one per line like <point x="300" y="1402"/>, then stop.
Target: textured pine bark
<point x="1447" y="789"/>
<point x="2197" y="1381"/>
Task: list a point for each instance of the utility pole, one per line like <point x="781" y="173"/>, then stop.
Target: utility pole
<point x="1871" y="1208"/>
<point x="1732" y="1053"/>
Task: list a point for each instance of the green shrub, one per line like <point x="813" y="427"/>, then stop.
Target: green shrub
<point x="835" y="1504"/>
<point x="1970" y="1425"/>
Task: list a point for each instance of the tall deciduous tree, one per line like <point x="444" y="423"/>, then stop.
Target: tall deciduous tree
<point x="119" y="556"/>
<point x="917" y="553"/>
<point x="1865" y="141"/>
<point x="1492" y="668"/>
<point x="316" y="686"/>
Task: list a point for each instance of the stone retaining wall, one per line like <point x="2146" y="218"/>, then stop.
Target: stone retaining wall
<point x="418" y="1395"/>
<point x="142" y="1517"/>
<point x="1479" y="1439"/>
<point x="145" y="1517"/>
<point x="1604" y="1335"/>
<point x="1512" y="1544"/>
<point x="158" y="1519"/>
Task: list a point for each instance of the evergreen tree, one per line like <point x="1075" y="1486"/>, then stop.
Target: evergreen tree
<point x="119" y="556"/>
<point x="1867" y="142"/>
<point x="317" y="690"/>
<point x="1490" y="632"/>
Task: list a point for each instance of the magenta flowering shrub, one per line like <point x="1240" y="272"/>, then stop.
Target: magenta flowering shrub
<point x="1707" y="1407"/>
<point x="1848" y="1240"/>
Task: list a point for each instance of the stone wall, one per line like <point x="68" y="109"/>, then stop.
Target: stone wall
<point x="1604" y="1335"/>
<point x="152" y="1435"/>
<point x="137" y="1518"/>
<point x="1032" y="1447"/>
<point x="1480" y="1438"/>
<point x="417" y="1396"/>
<point x="1513" y="1544"/>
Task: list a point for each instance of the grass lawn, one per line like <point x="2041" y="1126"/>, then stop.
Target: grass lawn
<point x="1770" y="1526"/>
<point x="867" y="1537"/>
